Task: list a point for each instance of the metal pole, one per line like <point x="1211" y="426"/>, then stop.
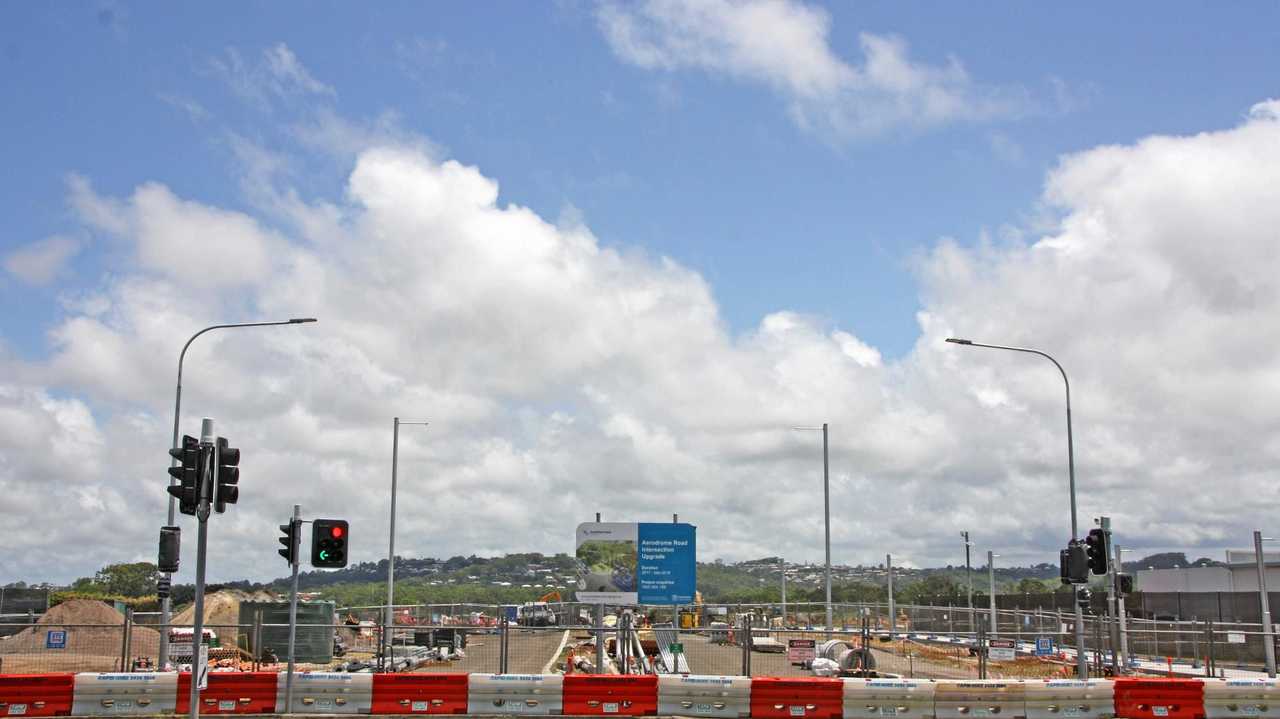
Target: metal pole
<point x="391" y="549"/>
<point x="1268" y="631"/>
<point x="1113" y="624"/>
<point x="784" y="594"/>
<point x="968" y="574"/>
<point x="165" y="604"/>
<point x="202" y="540"/>
<point x="893" y="616"/>
<point x="293" y="615"/>
<point x="1082" y="663"/>
<point x="1124" y="632"/>
<point x="826" y="511"/>
<point x="991" y="574"/>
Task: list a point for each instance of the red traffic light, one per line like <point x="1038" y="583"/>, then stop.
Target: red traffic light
<point x="336" y="531"/>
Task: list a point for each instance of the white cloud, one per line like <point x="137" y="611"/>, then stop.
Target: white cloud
<point x="563" y="376"/>
<point x="278" y="75"/>
<point x="40" y="262"/>
<point x="785" y="45"/>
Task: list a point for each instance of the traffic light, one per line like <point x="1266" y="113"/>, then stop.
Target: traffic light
<point x="291" y="540"/>
<point x="226" y="492"/>
<point x="187" y="491"/>
<point x="169" y="540"/>
<point x="163" y="588"/>
<point x="1074" y="564"/>
<point x="1083" y="596"/>
<point x="1096" y="549"/>
<point x="1126" y="583"/>
<point x="329" y="543"/>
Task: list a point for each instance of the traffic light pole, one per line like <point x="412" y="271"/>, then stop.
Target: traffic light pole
<point x="293" y="615"/>
<point x="202" y="540"/>
<point x="1113" y="598"/>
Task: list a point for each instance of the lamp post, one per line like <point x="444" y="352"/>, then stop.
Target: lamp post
<point x="991" y="576"/>
<point x="387" y="632"/>
<point x="1082" y="661"/>
<point x="826" y="513"/>
<point x="1268" y="631"/>
<point x="968" y="575"/>
<point x="165" y="605"/>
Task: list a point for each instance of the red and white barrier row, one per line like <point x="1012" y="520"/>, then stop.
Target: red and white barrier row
<point x="38" y="695"/>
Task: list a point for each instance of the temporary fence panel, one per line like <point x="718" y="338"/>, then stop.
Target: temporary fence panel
<point x="1055" y="698"/>
<point x="125" y="693"/>
<point x="632" y="695"/>
<point x="419" y="694"/>
<point x="36" y="695"/>
<point x="911" y="698"/>
<point x="963" y="699"/>
<point x="515" y="694"/>
<point x="315" y="630"/>
<point x="814" y="697"/>
<point x="1149" y="698"/>
<point x="232" y="693"/>
<point x="703" y="696"/>
<point x="1241" y="698"/>
<point x="326" y="693"/>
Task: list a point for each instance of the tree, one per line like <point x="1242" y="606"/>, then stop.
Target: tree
<point x="935" y="587"/>
<point x="126" y="580"/>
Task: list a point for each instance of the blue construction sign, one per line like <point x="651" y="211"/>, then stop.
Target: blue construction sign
<point x="55" y="639"/>
<point x="629" y="563"/>
<point x="1044" y="646"/>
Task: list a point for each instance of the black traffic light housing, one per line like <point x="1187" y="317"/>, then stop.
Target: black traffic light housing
<point x="1126" y="583"/>
<point x="1096" y="549"/>
<point x="329" y="543"/>
<point x="227" y="491"/>
<point x="187" y="491"/>
<point x="170" y="539"/>
<point x="1074" y="564"/>
<point x="291" y="540"/>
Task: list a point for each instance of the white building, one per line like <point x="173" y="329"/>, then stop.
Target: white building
<point x="1240" y="575"/>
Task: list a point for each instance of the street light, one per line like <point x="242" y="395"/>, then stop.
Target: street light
<point x="968" y="575"/>
<point x="1082" y="661"/>
<point x="165" y="606"/>
<point x="826" y="511"/>
<point x="1268" y="631"/>
<point x="991" y="573"/>
<point x="388" y="637"/>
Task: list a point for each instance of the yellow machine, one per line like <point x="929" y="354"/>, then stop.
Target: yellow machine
<point x="691" y="617"/>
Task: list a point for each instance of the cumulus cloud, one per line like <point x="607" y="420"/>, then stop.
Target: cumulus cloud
<point x="785" y="45"/>
<point x="564" y="376"/>
<point x="40" y="262"/>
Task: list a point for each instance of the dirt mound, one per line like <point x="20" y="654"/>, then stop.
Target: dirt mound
<point x="92" y="628"/>
<point x="82" y="611"/>
<point x="222" y="609"/>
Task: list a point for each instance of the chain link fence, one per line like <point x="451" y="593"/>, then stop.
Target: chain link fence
<point x="725" y="639"/>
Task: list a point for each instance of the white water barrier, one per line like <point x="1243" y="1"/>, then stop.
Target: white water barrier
<point x="515" y="694"/>
<point x="704" y="696"/>
<point x="125" y="693"/>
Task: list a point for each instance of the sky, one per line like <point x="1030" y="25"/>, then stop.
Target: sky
<point x="614" y="252"/>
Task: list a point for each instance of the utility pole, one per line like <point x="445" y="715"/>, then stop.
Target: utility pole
<point x="1268" y="630"/>
<point x="293" y="613"/>
<point x="1124" y="634"/>
<point x="968" y="575"/>
<point x="893" y="616"/>
<point x="826" y="511"/>
<point x="991" y="572"/>
<point x="784" y="593"/>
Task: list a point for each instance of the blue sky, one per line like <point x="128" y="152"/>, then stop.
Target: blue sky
<point x="717" y="219"/>
<point x="704" y="168"/>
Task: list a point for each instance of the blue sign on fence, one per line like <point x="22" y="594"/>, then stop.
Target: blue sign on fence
<point x="55" y="639"/>
<point x="666" y="564"/>
<point x="1044" y="646"/>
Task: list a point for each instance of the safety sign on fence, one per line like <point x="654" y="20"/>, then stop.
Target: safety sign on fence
<point x="800" y="651"/>
<point x="1002" y="650"/>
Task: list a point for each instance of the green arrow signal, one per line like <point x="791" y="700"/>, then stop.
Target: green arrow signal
<point x="324" y="555"/>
